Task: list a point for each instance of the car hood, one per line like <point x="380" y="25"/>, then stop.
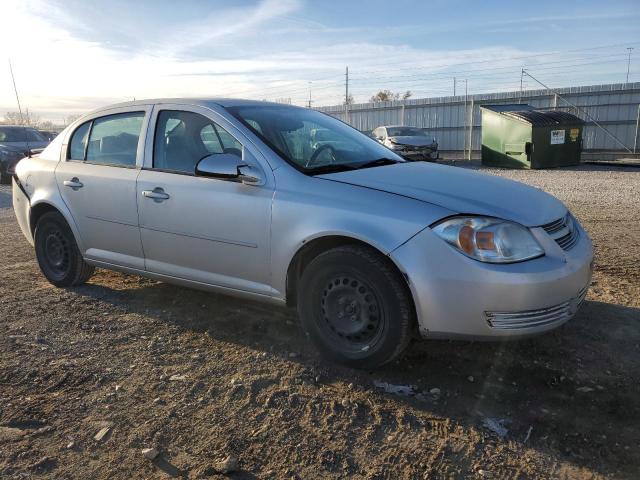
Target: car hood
<point x="413" y="141"/>
<point x="22" y="146"/>
<point x="459" y="190"/>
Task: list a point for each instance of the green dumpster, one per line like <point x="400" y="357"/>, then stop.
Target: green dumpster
<point x="519" y="136"/>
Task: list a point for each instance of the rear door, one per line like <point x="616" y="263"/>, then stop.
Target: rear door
<point x="208" y="230"/>
<point x="97" y="181"/>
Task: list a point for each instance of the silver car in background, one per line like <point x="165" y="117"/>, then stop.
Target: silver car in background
<point x="411" y="143"/>
<point x="241" y="197"/>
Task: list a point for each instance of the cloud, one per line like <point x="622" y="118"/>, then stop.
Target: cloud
<point x="64" y="65"/>
<point x="225" y="23"/>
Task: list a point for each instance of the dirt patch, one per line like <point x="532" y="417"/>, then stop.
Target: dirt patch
<point x="89" y="377"/>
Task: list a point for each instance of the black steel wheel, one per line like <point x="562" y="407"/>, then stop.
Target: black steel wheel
<point x="351" y="311"/>
<point x="57" y="252"/>
<point x="354" y="307"/>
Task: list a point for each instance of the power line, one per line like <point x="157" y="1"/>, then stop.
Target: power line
<point x="414" y="62"/>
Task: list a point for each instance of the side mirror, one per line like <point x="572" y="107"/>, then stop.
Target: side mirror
<point x="228" y="166"/>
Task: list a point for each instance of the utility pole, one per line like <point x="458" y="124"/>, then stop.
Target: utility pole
<point x="346" y="86"/>
<point x="521" y="78"/>
<point x="629" y="62"/>
<point x="346" y="94"/>
<point x="16" y="90"/>
<point x="310" y="101"/>
<point x="454" y="86"/>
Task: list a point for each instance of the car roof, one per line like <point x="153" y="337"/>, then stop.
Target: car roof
<point x="204" y="102"/>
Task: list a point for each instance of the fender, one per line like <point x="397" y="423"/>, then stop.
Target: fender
<point x="37" y="177"/>
<point x="338" y="212"/>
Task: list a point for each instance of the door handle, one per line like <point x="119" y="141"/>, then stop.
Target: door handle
<point x="73" y="183"/>
<point x="157" y="194"/>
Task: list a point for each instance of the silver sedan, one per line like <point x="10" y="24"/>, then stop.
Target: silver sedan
<point x="237" y="197"/>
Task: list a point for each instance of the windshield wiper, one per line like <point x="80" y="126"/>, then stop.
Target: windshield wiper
<point x="377" y="163"/>
<point x="331" y="168"/>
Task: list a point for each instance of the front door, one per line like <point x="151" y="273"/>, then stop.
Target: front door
<point x="97" y="181"/>
<point x="212" y="231"/>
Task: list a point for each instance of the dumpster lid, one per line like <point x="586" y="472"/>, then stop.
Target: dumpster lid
<point x="528" y="114"/>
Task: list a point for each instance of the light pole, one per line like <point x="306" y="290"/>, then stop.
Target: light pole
<point x="629" y="62"/>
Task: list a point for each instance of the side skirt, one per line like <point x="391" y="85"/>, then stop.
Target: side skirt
<point x="190" y="283"/>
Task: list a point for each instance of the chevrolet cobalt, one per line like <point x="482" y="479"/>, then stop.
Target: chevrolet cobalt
<point x="241" y="197"/>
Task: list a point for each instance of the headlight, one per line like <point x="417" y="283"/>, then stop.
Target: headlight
<point x="489" y="239"/>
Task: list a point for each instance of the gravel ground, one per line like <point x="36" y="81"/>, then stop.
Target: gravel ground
<point x="89" y="377"/>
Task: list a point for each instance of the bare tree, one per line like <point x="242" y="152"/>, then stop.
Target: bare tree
<point x="388" y="95"/>
<point x="384" y="96"/>
<point x="46" y="125"/>
<point x="72" y="118"/>
<point x="349" y="100"/>
<point x="27" y="118"/>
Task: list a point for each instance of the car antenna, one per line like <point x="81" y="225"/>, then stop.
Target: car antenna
<point x="15" y="89"/>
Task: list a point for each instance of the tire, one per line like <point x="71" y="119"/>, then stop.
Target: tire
<point x="57" y="253"/>
<point x="355" y="307"/>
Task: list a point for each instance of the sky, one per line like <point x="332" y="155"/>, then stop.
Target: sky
<point x="71" y="56"/>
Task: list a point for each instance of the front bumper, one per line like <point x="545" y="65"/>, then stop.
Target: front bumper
<point x="420" y="154"/>
<point x="458" y="297"/>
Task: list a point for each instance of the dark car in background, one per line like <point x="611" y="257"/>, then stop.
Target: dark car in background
<point x="16" y="142"/>
<point x="412" y="143"/>
<point x="48" y="134"/>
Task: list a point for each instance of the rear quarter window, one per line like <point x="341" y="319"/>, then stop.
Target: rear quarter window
<point x="78" y="143"/>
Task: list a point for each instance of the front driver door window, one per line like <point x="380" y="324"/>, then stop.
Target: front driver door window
<point x="208" y="230"/>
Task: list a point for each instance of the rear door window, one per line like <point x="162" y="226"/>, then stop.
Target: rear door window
<point x="113" y="140"/>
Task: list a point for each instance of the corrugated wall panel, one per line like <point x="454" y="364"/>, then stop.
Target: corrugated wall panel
<point x="614" y="106"/>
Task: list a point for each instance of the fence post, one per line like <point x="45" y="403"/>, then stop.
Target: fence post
<point x="635" y="139"/>
<point x="471" y="129"/>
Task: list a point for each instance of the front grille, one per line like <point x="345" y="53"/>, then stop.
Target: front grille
<point x="541" y="317"/>
<point x="564" y="231"/>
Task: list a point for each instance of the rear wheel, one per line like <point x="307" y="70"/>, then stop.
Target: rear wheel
<point x="355" y="307"/>
<point x="58" y="255"/>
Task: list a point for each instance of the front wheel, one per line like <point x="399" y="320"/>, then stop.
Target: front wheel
<point x="355" y="307"/>
<point x="58" y="255"/>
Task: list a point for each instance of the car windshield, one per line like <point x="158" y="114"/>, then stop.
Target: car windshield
<point x="405" y="132"/>
<point x="18" y="134"/>
<point x="313" y="141"/>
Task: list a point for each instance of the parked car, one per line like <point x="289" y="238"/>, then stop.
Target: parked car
<point x="411" y="143"/>
<point x="16" y="142"/>
<point x="371" y="249"/>
<point x="48" y="134"/>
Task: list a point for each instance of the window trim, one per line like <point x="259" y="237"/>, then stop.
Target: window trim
<point x="143" y="109"/>
<point x="84" y="154"/>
